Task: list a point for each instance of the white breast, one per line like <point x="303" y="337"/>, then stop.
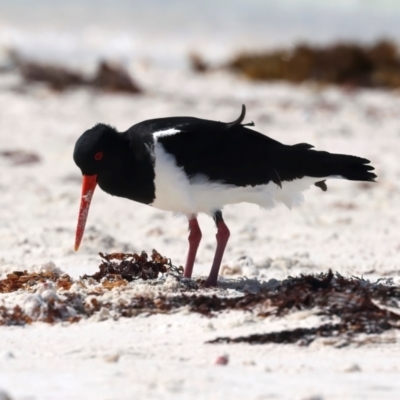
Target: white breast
<point x="171" y="183"/>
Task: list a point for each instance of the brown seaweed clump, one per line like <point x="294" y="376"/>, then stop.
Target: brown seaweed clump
<point x="132" y="266"/>
<point x="57" y="77"/>
<point x="114" y="78"/>
<point x="342" y="64"/>
<point x="109" y="77"/>
<point x="348" y="307"/>
<point x="23" y="280"/>
<point x="197" y="63"/>
<point x="361" y="307"/>
<point x="14" y="316"/>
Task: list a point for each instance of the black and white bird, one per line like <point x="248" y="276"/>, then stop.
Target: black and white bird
<point x="189" y="166"/>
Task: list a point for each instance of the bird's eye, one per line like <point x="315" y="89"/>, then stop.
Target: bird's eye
<point x="98" y="156"/>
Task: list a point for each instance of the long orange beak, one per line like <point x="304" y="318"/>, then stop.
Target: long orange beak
<point x="89" y="183"/>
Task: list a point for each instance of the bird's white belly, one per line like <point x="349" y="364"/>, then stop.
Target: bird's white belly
<point x="175" y="192"/>
<point x="212" y="196"/>
<point x="172" y="187"/>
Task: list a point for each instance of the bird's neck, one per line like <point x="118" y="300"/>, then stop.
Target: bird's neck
<point x="131" y="177"/>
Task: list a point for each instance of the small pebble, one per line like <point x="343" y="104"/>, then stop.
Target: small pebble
<point x="113" y="358"/>
<point x="222" y="360"/>
<point x="352" y="368"/>
<point x="7" y="355"/>
<point x="312" y="397"/>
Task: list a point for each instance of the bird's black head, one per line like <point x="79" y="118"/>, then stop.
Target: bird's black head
<point x="98" y="150"/>
<point x="98" y="153"/>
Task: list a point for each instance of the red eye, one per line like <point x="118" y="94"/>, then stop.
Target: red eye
<point x="98" y="156"/>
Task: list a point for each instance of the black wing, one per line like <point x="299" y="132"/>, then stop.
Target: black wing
<point x="234" y="154"/>
<point x="227" y="152"/>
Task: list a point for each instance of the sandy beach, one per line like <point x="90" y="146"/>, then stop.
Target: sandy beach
<point x="353" y="229"/>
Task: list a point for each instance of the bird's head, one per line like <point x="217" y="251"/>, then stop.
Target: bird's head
<point x="97" y="152"/>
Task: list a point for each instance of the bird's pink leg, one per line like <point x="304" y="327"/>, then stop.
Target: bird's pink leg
<point x="222" y="239"/>
<point x="194" y="240"/>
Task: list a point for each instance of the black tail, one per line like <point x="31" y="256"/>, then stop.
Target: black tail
<point x="322" y="164"/>
<point x="349" y="167"/>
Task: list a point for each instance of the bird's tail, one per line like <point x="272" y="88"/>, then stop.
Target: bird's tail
<point x="321" y="164"/>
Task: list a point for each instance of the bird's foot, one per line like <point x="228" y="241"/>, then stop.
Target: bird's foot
<point x="211" y="282"/>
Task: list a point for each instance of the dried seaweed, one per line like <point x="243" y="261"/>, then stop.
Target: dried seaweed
<point x="197" y="63"/>
<point x="130" y="266"/>
<point x="302" y="336"/>
<point x="114" y="78"/>
<point x="108" y="77"/>
<point x="23" y="280"/>
<point x="348" y="64"/>
<point x="354" y="306"/>
<point x="57" y="77"/>
<point x="15" y="316"/>
<point x="353" y="301"/>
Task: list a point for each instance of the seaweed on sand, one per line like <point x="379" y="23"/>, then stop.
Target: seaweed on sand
<point x="131" y="266"/>
<point x="343" y="63"/>
<point x="348" y="306"/>
<point x="360" y="306"/>
<point x="109" y="77"/>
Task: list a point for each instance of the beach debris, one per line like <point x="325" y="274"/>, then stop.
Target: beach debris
<point x="112" y="358"/>
<point x="350" y="308"/>
<point x="109" y="77"/>
<point x="57" y="77"/>
<point x="14" y="316"/>
<point x="345" y="63"/>
<point x="360" y="306"/>
<point x="130" y="266"/>
<point x="20" y="157"/>
<point x="197" y="63"/>
<point x="352" y="368"/>
<point x="22" y="280"/>
<point x="301" y="336"/>
<point x="114" y="78"/>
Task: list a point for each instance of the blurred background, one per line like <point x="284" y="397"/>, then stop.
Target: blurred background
<point x="163" y="32"/>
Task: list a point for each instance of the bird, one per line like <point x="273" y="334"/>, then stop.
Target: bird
<point x="189" y="166"/>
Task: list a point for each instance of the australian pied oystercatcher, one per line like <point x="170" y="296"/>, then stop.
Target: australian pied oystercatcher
<point x="190" y="166"/>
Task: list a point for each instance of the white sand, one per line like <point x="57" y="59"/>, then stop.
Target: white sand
<point x="351" y="228"/>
